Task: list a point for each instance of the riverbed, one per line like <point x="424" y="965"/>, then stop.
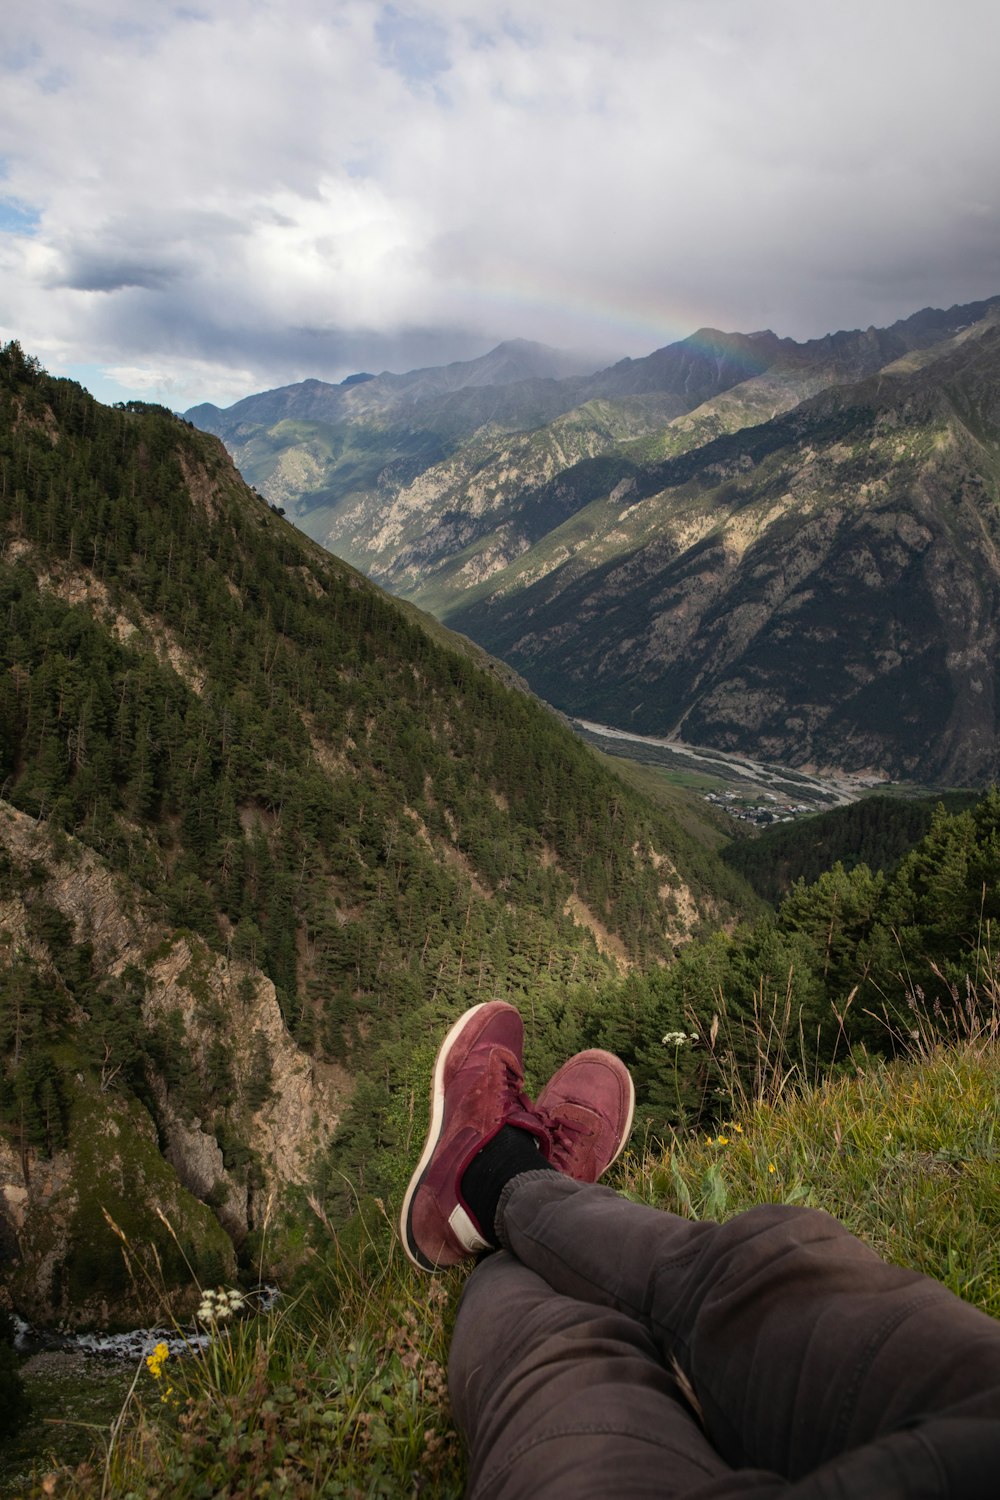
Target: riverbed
<point x="813" y="789"/>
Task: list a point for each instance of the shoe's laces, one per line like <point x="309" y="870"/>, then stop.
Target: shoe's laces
<point x="557" y="1136"/>
<point x="516" y="1097"/>
<point x="562" y="1136"/>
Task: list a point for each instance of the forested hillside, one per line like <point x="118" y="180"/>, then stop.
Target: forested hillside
<point x="875" y="831"/>
<point x="857" y="960"/>
<point x="758" y="1038"/>
<point x="261" y="832"/>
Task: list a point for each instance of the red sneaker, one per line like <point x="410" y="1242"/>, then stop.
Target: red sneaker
<point x="587" y="1109"/>
<point x="477" y="1088"/>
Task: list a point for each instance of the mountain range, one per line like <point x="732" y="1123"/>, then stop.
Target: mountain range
<point x="788" y="549"/>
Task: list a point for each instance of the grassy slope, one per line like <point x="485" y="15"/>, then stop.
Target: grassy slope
<point x="342" y="1392"/>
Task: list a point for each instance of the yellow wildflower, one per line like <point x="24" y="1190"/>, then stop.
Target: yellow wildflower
<point x="723" y="1140"/>
<point x="156" y="1360"/>
<point x="738" y="1129"/>
<point x="771" y="1167"/>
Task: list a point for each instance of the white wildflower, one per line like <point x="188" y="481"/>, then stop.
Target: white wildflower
<point x="218" y="1304"/>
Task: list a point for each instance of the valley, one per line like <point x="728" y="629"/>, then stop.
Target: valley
<point x="499" y="564"/>
<point x="747" y="789"/>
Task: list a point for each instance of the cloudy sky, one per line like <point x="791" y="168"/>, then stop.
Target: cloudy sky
<point x="206" y="199"/>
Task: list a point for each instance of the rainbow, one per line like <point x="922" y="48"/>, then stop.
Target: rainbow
<point x="637" y="322"/>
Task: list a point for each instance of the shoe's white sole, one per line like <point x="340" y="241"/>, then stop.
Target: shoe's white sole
<point x="433" y="1135"/>
<point x="628" y="1126"/>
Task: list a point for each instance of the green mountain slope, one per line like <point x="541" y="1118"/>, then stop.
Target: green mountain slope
<point x="350" y="1380"/>
<point x="876" y="831"/>
<point x="262" y="830"/>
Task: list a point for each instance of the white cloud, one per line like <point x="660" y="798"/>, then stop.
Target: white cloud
<point x="254" y="192"/>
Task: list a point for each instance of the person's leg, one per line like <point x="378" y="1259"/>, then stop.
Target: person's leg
<point x="801" y="1347"/>
<point x="555" y="1396"/>
<point x="799" y="1343"/>
<point x="570" y="1400"/>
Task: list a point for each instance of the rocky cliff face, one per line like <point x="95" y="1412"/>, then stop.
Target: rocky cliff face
<point x="190" y="1148"/>
<point x="406" y="474"/>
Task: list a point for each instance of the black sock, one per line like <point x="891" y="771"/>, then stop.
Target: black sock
<point x="510" y="1152"/>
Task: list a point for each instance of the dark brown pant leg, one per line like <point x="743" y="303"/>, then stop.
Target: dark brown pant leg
<point x="808" y="1354"/>
<point x="569" y="1400"/>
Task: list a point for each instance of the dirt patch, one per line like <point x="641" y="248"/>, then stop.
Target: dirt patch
<point x="687" y="911"/>
<point x="308" y="577"/>
<point x="331" y="761"/>
<point x="608" y="944"/>
<point x="452" y="857"/>
<point x="81" y="587"/>
<point x="550" y="859"/>
<point x="255" y="819"/>
<point x="674" y="893"/>
<point x="203" y="490"/>
<point x="45" y="422"/>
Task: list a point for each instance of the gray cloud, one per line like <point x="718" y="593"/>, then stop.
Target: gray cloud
<point x="94" y="274"/>
<point x="225" y="196"/>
